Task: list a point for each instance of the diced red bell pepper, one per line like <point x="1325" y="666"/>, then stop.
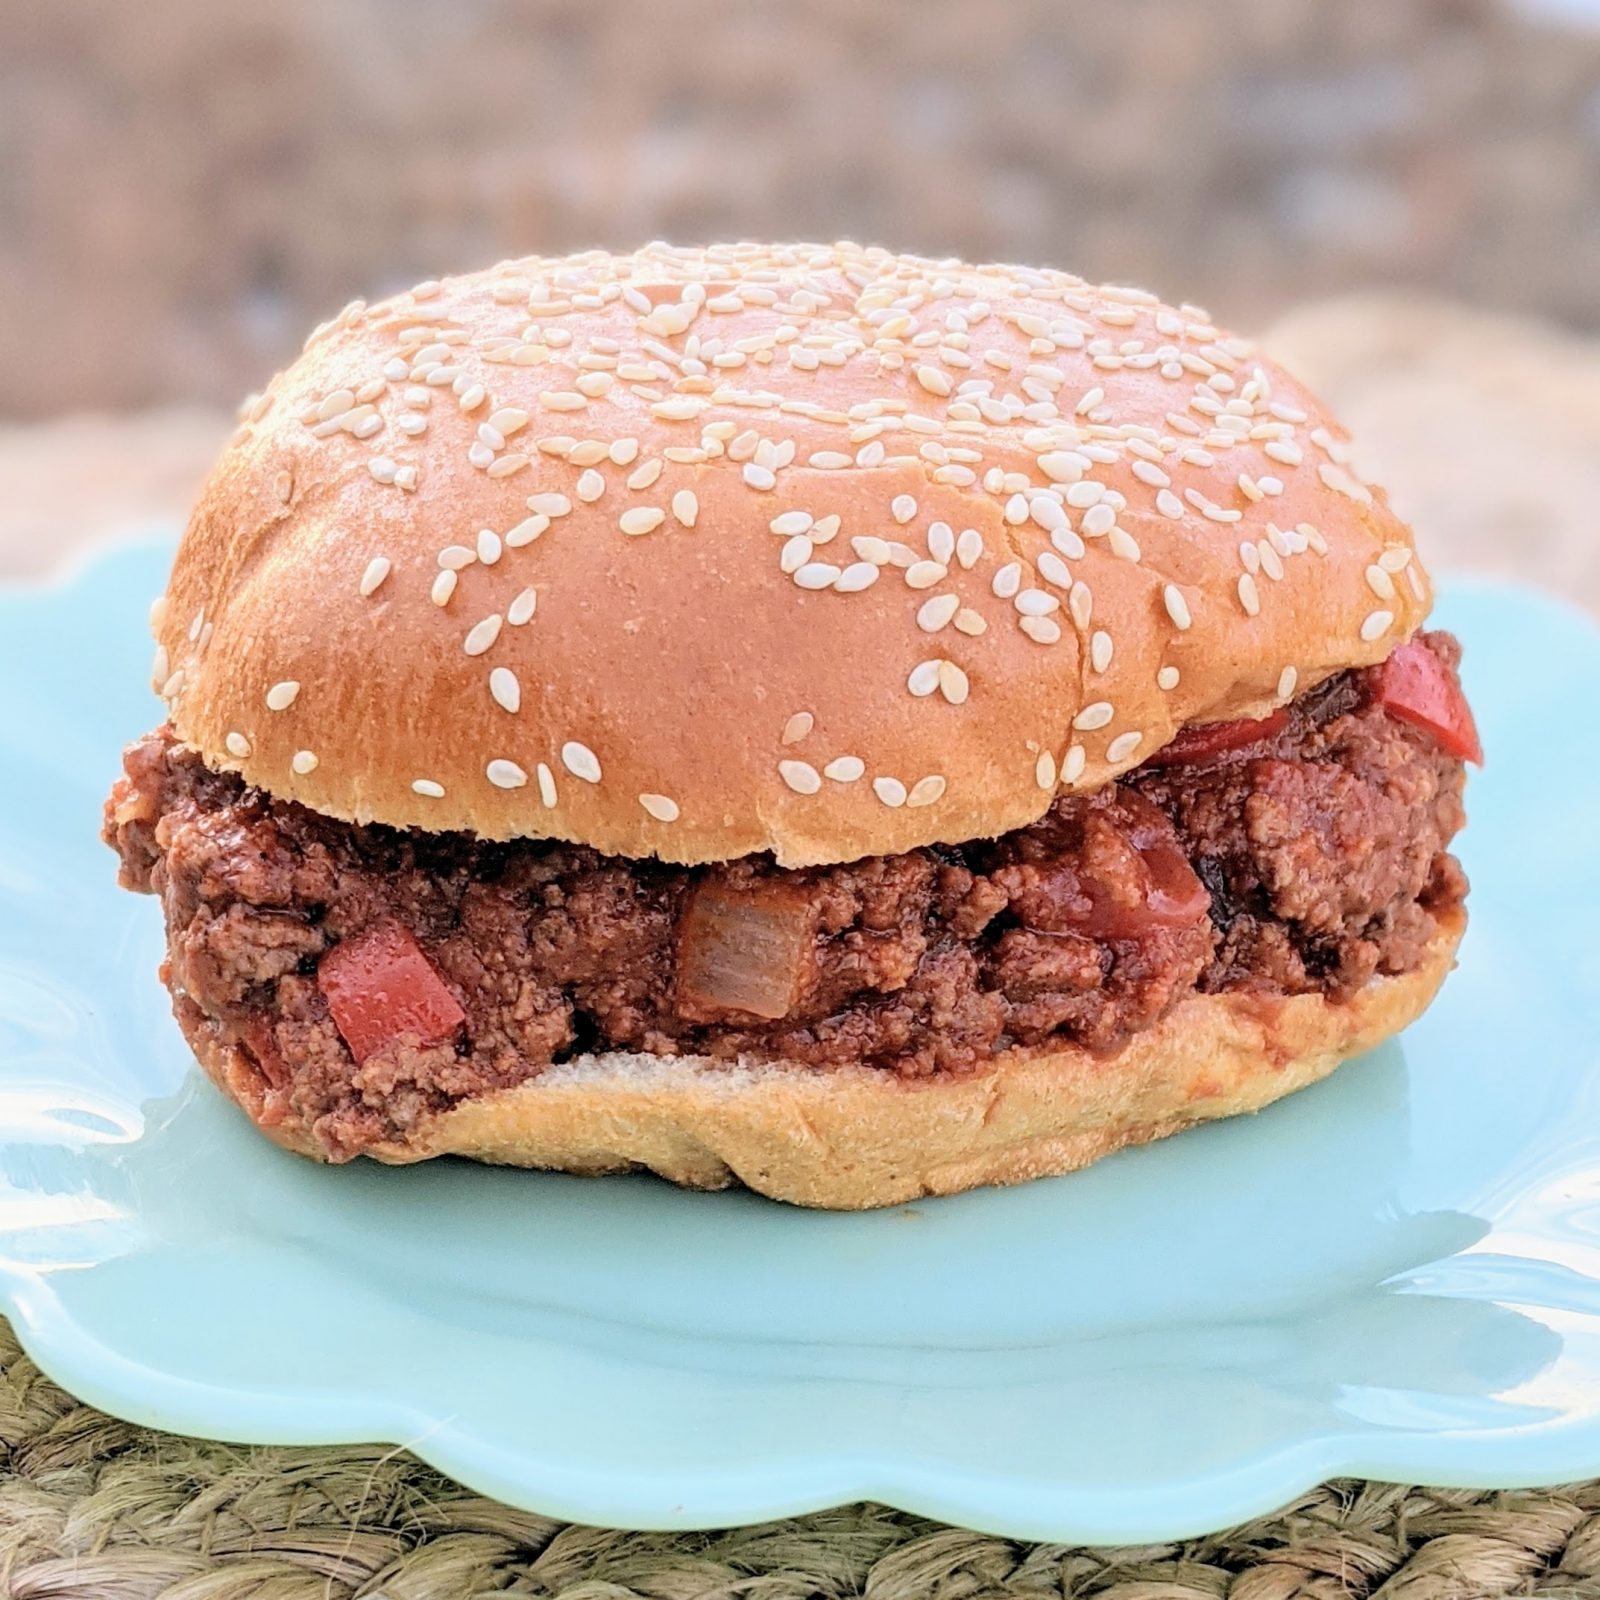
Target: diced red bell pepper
<point x="380" y="985"/>
<point x="1416" y="686"/>
<point x="1202" y="740"/>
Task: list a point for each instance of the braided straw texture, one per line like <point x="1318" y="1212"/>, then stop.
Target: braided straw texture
<point x="94" y="1508"/>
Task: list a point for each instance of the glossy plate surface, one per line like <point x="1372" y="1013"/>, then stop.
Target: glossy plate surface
<point x="1395" y="1274"/>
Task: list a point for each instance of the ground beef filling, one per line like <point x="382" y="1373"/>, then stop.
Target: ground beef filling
<point x="1308" y="861"/>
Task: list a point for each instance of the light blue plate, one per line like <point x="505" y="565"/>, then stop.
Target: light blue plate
<point x="1395" y="1274"/>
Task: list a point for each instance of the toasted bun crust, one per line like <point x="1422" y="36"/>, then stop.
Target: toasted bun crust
<point x="849" y="1140"/>
<point x="1120" y="520"/>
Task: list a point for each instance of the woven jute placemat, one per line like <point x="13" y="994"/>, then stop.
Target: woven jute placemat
<point x="92" y="1507"/>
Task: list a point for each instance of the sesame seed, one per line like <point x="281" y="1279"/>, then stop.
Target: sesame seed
<point x="237" y="745"/>
<point x="526" y="531"/>
<point x="457" y="556"/>
<point x="1036" y="603"/>
<point x="924" y="574"/>
<point x="797" y="727"/>
<point x="953" y="684"/>
<point x="938" y="612"/>
<point x="934" y="381"/>
<point x="590" y="485"/>
<point x="1177" y="607"/>
<point x="646" y="473"/>
<point x="506" y="689"/>
<point x="281" y="695"/>
<point x="903" y="508"/>
<point x="377" y="570"/>
<point x="1250" y="555"/>
<point x="1122" y="747"/>
<point x="824" y="529"/>
<point x="580" y="761"/>
<point x="1081" y="603"/>
<point x="482" y="634"/>
<point x="1007" y="580"/>
<point x="926" y="791"/>
<point x="871" y="549"/>
<point x="890" y="791"/>
<point x="303" y="762"/>
<point x="662" y="807"/>
<point x="426" y="786"/>
<point x="522" y="608"/>
<point x="641" y="519"/>
<point x="549" y="505"/>
<point x="1249" y="595"/>
<point x="1376" y="625"/>
<point x="1341" y="482"/>
<point x="1285" y="451"/>
<point x="759" y="478"/>
<point x="1286" y="682"/>
<point x="941" y="542"/>
<point x="547" y="786"/>
<point x="1100" y="650"/>
<point x="1379" y="581"/>
<point x="1062" y="466"/>
<point x="1044" y="771"/>
<point x="1167" y="678"/>
<point x="1271" y="561"/>
<point x="383" y="469"/>
<point x="844" y="769"/>
<point x="1072" y="764"/>
<point x="801" y="776"/>
<point x="1093" y="716"/>
<point x="857" y="576"/>
<point x="795" y="554"/>
<point x="623" y="451"/>
<point x="1168" y="504"/>
<point x="1395" y="559"/>
<point x="1054" y="570"/>
<point x="789" y="523"/>
<point x="924" y="678"/>
<point x="505" y="774"/>
<point x="969" y="547"/>
<point x="817" y="574"/>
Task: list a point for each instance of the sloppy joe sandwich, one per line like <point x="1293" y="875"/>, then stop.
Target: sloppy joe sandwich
<point x="849" y="724"/>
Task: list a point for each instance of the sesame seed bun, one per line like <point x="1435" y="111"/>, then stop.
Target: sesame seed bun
<point x="817" y="550"/>
<point x="851" y="1139"/>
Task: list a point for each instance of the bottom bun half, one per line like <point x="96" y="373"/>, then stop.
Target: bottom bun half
<point x="846" y="1139"/>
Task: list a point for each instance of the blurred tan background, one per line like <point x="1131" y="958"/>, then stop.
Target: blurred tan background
<point x="1406" y="192"/>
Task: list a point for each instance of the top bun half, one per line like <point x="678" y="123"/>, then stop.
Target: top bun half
<point x="817" y="550"/>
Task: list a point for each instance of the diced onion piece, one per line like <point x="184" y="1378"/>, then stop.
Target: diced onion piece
<point x="744" y="950"/>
